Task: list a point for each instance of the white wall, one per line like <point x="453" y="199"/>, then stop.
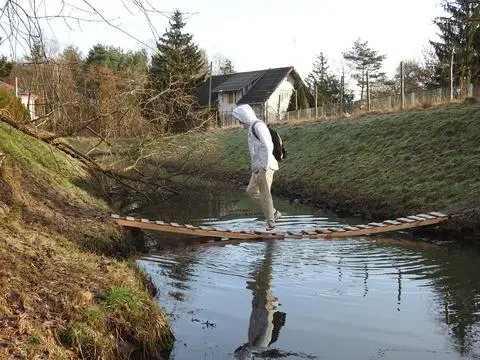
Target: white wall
<point x="258" y="109"/>
<point x="223" y="105"/>
<point x="278" y="102"/>
<point x="29" y="103"/>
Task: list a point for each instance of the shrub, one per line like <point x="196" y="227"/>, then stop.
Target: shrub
<point x="9" y="102"/>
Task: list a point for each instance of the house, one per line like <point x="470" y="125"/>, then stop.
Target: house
<point x="27" y="98"/>
<point x="268" y="92"/>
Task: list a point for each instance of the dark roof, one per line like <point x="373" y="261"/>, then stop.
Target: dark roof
<point x="265" y="85"/>
<point x="238" y="81"/>
<point x="201" y="92"/>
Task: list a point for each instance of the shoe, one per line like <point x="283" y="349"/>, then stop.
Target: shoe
<point x="270" y="226"/>
<point x="277" y="215"/>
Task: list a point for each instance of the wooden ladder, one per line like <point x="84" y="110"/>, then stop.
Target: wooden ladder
<point x="340" y="231"/>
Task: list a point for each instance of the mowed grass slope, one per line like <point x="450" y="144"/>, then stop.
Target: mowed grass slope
<point x="65" y="292"/>
<point x="376" y="165"/>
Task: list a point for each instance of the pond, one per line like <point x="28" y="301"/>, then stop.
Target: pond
<point x="369" y="298"/>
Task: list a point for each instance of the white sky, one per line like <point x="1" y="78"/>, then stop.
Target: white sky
<point x="258" y="34"/>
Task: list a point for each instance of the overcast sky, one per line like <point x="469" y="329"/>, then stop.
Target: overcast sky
<point x="259" y="34"/>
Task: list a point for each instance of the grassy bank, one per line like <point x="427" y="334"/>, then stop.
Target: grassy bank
<point x="66" y="293"/>
<point x="375" y="166"/>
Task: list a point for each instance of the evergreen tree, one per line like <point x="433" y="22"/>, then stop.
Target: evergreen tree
<point x="299" y="98"/>
<point x="115" y="58"/>
<point x="37" y="53"/>
<point x="227" y="67"/>
<point x="176" y="69"/>
<point x="328" y="86"/>
<point x="178" y="59"/>
<point x="320" y="77"/>
<point x="362" y="60"/>
<point x="5" y="67"/>
<point x="460" y="35"/>
<point x="222" y="65"/>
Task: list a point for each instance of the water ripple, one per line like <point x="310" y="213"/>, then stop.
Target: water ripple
<point x="337" y="299"/>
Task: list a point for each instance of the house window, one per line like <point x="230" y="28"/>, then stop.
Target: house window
<point x="231" y="98"/>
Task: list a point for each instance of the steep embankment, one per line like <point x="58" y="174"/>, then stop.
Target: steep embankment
<point x="65" y="294"/>
<point x="375" y="166"/>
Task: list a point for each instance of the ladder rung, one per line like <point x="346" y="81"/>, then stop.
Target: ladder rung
<point x="207" y="228"/>
<point x="376" y="224"/>
<point x="294" y="233"/>
<point x="426" y="216"/>
<point x="392" y="222"/>
<point x="349" y="228"/>
<point x="335" y="229"/>
<point x="416" y="218"/>
<point x="437" y="214"/>
<point x="405" y="220"/>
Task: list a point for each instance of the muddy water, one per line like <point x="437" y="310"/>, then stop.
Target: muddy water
<point x="388" y="298"/>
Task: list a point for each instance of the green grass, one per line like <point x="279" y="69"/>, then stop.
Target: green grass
<point x="119" y="305"/>
<point x="120" y="297"/>
<point x="412" y="161"/>
<point x="48" y="167"/>
<point x="50" y="238"/>
<point x="375" y="165"/>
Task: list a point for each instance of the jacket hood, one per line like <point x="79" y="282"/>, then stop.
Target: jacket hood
<point x="245" y="114"/>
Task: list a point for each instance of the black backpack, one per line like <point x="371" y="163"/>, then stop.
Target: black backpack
<point x="279" y="151"/>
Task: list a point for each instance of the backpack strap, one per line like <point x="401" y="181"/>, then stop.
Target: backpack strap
<point x="253" y="129"/>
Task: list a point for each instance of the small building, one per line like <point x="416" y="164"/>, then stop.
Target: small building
<point x="268" y="92"/>
<point x="27" y="98"/>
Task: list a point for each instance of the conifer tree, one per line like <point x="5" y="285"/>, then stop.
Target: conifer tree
<point x="178" y="59"/>
<point x="227" y="67"/>
<point x="362" y="60"/>
<point x="176" y="69"/>
<point x="460" y="36"/>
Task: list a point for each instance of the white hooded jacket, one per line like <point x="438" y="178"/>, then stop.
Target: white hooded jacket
<point x="261" y="149"/>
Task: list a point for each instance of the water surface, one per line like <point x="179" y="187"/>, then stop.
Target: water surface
<point x="359" y="298"/>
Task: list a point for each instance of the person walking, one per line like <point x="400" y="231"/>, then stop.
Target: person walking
<point x="263" y="162"/>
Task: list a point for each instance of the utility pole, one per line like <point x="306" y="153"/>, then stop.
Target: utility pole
<point x="451" y="75"/>
<point x="402" y="86"/>
<point x="210" y="89"/>
<point x="316" y="101"/>
<point x="368" y="93"/>
<point x="342" y="84"/>
<point x="296" y="100"/>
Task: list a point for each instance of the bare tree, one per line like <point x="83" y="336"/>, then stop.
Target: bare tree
<point x="84" y="100"/>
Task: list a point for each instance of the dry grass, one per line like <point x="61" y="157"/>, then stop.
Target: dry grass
<point x="65" y="293"/>
<point x="361" y="113"/>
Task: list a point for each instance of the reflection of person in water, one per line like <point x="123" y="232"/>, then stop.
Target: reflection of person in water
<point x="265" y="322"/>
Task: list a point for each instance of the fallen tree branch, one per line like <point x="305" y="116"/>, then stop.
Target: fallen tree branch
<point x="60" y="144"/>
